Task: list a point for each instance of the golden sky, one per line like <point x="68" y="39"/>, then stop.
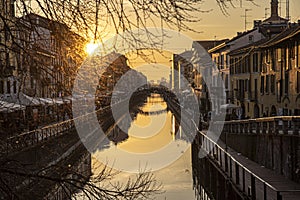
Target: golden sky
<point x="215" y="24"/>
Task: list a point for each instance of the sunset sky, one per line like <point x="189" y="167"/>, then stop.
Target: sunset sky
<point x="215" y="23"/>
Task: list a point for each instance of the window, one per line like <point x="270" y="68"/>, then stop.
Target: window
<point x="292" y="51"/>
<point x="249" y="85"/>
<point x="273" y="64"/>
<point x="273" y="84"/>
<point x="251" y="38"/>
<point x="236" y="65"/>
<point x="222" y="61"/>
<point x="226" y="81"/>
<point x="15" y="87"/>
<point x="231" y="66"/>
<point x="267" y="83"/>
<point x="268" y="56"/>
<point x="12" y="9"/>
<point x="297" y="85"/>
<point x="261" y="61"/>
<point x="7" y="58"/>
<point x="262" y="85"/>
<point x="247" y="66"/>
<point x="7" y="33"/>
<point x="286" y="82"/>
<point x="31" y="82"/>
<point x="298" y="56"/>
<point x="8" y="87"/>
<point x="246" y="85"/>
<point x="227" y="61"/>
<point x="278" y="54"/>
<point x="255" y="62"/>
<point x="240" y="64"/>
<point x="1" y="87"/>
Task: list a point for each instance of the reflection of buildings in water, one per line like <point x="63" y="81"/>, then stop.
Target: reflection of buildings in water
<point x="146" y="114"/>
<point x="116" y="135"/>
<point x="157" y="112"/>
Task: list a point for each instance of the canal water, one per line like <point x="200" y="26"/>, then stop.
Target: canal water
<point x="153" y="143"/>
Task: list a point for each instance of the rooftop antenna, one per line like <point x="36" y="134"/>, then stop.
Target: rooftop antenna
<point x="246" y="16"/>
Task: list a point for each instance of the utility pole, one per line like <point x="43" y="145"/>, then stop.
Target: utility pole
<point x="246" y="16"/>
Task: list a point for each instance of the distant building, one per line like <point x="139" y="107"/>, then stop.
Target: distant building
<point x="182" y="70"/>
<point x="115" y="66"/>
<point x="200" y="83"/>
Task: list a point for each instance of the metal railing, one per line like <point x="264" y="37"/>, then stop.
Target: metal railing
<point x="237" y="172"/>
<point x="37" y="136"/>
<point x="266" y="125"/>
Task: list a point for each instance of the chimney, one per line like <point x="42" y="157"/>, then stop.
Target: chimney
<point x="274" y="8"/>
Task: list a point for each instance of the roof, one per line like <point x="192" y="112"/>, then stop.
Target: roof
<point x="219" y="47"/>
<point x="275" y="19"/>
<point x="291" y="31"/>
<point x="241" y="35"/>
<point x="288" y="33"/>
<point x="247" y="47"/>
<point x="208" y="44"/>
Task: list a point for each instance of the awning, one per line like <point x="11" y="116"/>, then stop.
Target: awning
<point x="48" y="101"/>
<point x="10" y="107"/>
<point x="228" y="106"/>
<point x="59" y="100"/>
<point x="24" y="100"/>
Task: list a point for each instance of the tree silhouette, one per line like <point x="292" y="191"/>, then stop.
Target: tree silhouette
<point x="41" y="49"/>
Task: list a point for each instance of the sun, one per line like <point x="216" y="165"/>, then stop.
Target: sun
<point x="91" y="47"/>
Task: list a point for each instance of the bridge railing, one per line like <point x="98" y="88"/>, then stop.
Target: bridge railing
<point x="266" y="125"/>
<point x="238" y="173"/>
